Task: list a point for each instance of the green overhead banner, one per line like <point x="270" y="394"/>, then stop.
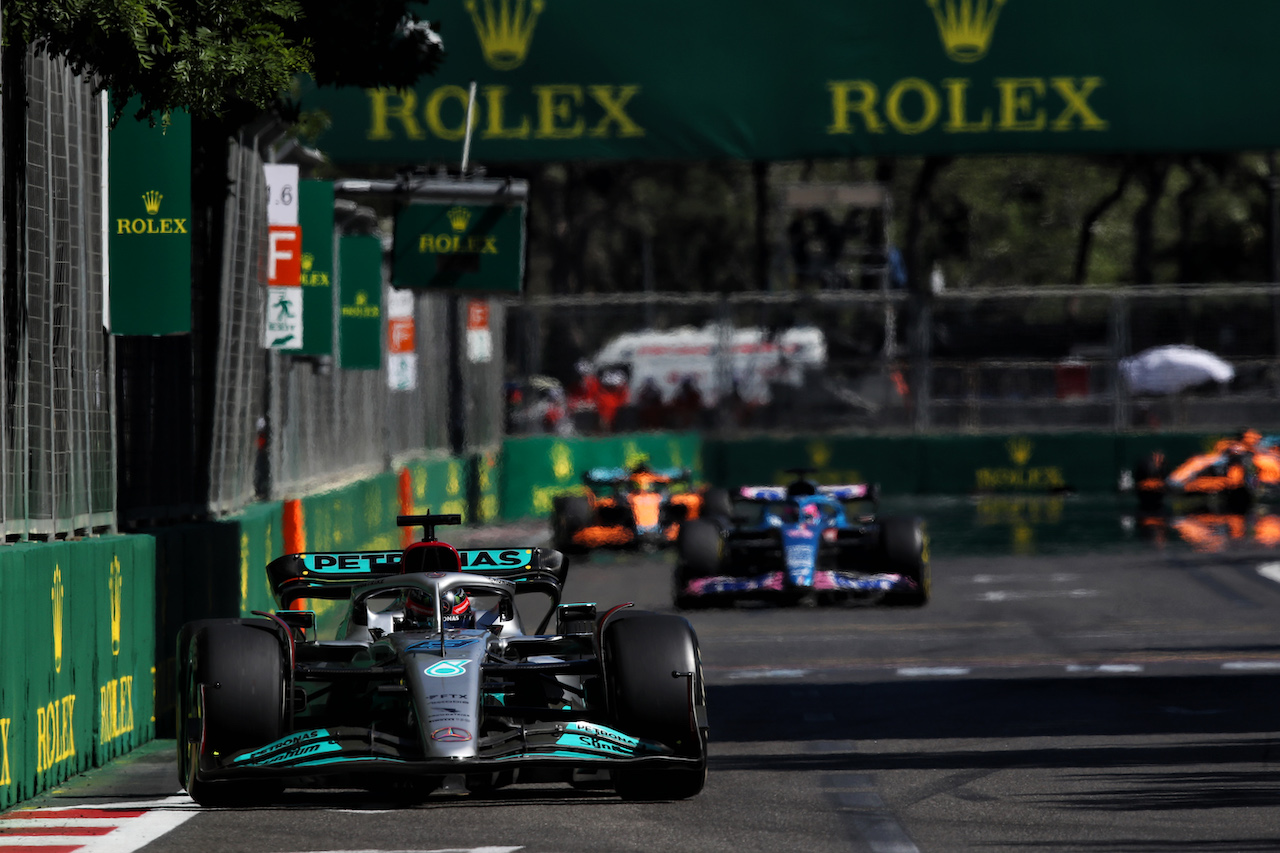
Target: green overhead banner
<point x="315" y="217"/>
<point x="360" y="302"/>
<point x="149" y="225"/>
<point x="580" y="79"/>
<point x="460" y="247"/>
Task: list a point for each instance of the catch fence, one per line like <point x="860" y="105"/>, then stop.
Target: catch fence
<point x="980" y="360"/>
<point x="103" y="432"/>
<point x="328" y="426"/>
<point x="57" y="455"/>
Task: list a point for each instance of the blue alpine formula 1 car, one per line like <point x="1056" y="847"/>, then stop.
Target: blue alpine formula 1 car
<point x="434" y="681"/>
<point x="803" y="542"/>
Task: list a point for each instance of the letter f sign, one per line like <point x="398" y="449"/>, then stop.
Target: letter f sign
<point x="284" y="256"/>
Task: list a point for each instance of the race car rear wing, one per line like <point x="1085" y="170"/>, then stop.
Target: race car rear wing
<point x="846" y="492"/>
<point x="606" y="475"/>
<point x="334" y="574"/>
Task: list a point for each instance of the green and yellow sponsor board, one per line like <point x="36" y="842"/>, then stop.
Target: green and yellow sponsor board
<point x="149" y="225"/>
<point x="581" y="80"/>
<point x="468" y="247"/>
<point x="315" y="217"/>
<point x="82" y="691"/>
<point x="359" y="302"/>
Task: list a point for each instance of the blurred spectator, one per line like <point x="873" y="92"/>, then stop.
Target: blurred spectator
<point x="740" y="410"/>
<point x="611" y="394"/>
<point x="537" y="405"/>
<point x="582" y="394"/>
<point x="555" y="411"/>
<point x="651" y="412"/>
<point x="686" y="407"/>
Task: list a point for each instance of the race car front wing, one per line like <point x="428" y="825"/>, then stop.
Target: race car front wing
<point x="823" y="581"/>
<point x="334" y="750"/>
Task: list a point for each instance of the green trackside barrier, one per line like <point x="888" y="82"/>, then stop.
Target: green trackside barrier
<point x="950" y="464"/>
<point x="261" y="542"/>
<point x="440" y="484"/>
<point x="79" y="688"/>
<point x="1176" y="447"/>
<point x="484" y="500"/>
<point x="360" y="516"/>
<point x="537" y="468"/>
<point x="891" y="461"/>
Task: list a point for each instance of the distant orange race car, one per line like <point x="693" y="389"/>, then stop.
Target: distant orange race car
<point x="638" y="508"/>
<point x="1234" y="475"/>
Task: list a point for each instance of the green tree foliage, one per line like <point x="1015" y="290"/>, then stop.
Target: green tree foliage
<point x="224" y="59"/>
<point x="982" y="221"/>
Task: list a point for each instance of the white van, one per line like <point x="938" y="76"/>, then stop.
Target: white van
<point x="715" y="358"/>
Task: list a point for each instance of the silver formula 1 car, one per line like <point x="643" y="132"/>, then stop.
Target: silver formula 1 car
<point x="433" y="680"/>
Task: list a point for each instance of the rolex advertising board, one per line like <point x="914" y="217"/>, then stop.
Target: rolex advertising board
<point x="360" y="302"/>
<point x="577" y="79"/>
<point x="149" y="225"/>
<point x="315" y="216"/>
<point x="445" y="246"/>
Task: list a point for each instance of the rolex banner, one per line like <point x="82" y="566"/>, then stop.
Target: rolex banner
<point x="360" y="302"/>
<point x="581" y="79"/>
<point x="464" y="247"/>
<point x="149" y="225"/>
<point x="315" y="215"/>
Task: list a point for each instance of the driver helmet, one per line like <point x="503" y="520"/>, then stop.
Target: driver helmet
<point x="810" y="514"/>
<point x="456" y="603"/>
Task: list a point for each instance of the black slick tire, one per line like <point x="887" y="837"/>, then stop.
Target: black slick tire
<point x="904" y="549"/>
<point x="717" y="506"/>
<point x="240" y="666"/>
<point x="570" y="513"/>
<point x="698" y="555"/>
<point x="654" y="673"/>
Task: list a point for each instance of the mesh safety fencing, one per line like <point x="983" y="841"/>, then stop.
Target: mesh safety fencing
<point x="58" y="455"/>
<point x="1042" y="358"/>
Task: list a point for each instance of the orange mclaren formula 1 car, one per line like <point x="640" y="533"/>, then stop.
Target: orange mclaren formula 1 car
<point x="1237" y="473"/>
<point x="639" y="508"/>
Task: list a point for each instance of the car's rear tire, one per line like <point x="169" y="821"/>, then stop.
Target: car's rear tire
<point x="698" y="548"/>
<point x="698" y="555"/>
<point x="904" y="549"/>
<point x="717" y="506"/>
<point x="653" y="669"/>
<point x="242" y="670"/>
<point x="570" y="513"/>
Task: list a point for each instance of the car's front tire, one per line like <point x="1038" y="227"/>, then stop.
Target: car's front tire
<point x="238" y="668"/>
<point x="904" y="549"/>
<point x="654" y="673"/>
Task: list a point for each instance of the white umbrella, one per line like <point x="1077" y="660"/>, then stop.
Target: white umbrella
<point x="1170" y="369"/>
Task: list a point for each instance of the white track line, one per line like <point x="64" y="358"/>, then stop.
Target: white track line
<point x="1270" y="571"/>
<point x="768" y="673"/>
<point x="926" y="671"/>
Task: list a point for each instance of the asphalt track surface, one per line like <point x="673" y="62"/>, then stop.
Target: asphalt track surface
<point x="1069" y="696"/>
